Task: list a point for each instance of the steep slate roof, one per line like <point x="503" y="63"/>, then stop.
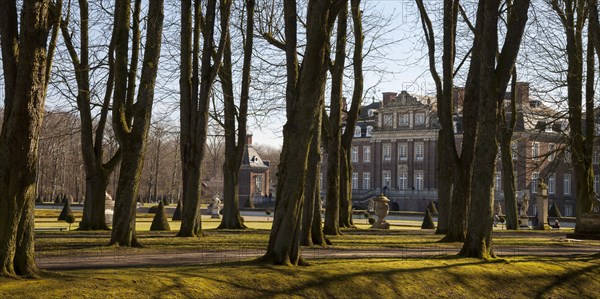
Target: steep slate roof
<point x="252" y="160"/>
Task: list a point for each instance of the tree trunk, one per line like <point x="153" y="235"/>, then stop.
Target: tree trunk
<point x="494" y="77"/>
<point x="311" y="191"/>
<point x="346" y="190"/>
<point x="131" y="125"/>
<point x="25" y="82"/>
<point x="194" y="104"/>
<point x="304" y="94"/>
<point x="95" y="197"/>
<point x="508" y="182"/>
<point x="231" y="211"/>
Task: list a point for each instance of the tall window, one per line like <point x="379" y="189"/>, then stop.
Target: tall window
<point x="419" y="119"/>
<point x="403" y="180"/>
<point x="419" y="151"/>
<point x="366" y="180"/>
<point x="498" y="181"/>
<point x="369" y="131"/>
<point x="357" y="131"/>
<point x="534" y="182"/>
<point x="354" y="180"/>
<point x="387" y="152"/>
<point x="387" y="179"/>
<point x="567" y="184"/>
<point x="514" y="145"/>
<point x="402" y="152"/>
<point x="367" y="153"/>
<point x="403" y="120"/>
<point x="419" y="180"/>
<point x="567" y="154"/>
<point x="535" y="150"/>
<point x="596" y="183"/>
<point x="568" y="210"/>
<point x="596" y="155"/>
<point x="388" y="120"/>
<point x="355" y="154"/>
<point x="551" y="183"/>
<point x="551" y="152"/>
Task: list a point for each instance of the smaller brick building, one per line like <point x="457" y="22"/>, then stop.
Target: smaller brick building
<point x="254" y="177"/>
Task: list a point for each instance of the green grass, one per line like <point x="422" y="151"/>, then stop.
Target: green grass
<point x="361" y="278"/>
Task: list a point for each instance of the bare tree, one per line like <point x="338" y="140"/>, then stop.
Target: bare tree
<point x="131" y="118"/>
<point x="195" y="102"/>
<point x="92" y="135"/>
<point x="26" y="64"/>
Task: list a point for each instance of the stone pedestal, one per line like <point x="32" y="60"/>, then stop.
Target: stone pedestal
<point x="524" y="221"/>
<point x="382" y="209"/>
<point x="109" y="206"/>
<point x="542" y="206"/>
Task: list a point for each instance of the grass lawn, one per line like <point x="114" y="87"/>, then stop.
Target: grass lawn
<point x="515" y="277"/>
<point x="360" y="278"/>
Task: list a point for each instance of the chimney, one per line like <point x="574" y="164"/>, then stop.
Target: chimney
<point x="248" y="139"/>
<point x="522" y="93"/>
<point x="458" y="98"/>
<point x="388" y="97"/>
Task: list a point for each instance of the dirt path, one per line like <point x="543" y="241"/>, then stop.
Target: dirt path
<point x="119" y="259"/>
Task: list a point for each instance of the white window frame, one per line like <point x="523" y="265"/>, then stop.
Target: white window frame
<point x="354" y="180"/>
<point x="388" y="120"/>
<point x="357" y="131"/>
<point x="402" y="151"/>
<point x="567" y="184"/>
<point x="403" y="120"/>
<point x="369" y="131"/>
<point x="403" y="180"/>
<point x="596" y="156"/>
<point x="419" y="180"/>
<point x="354" y="154"/>
<point x="596" y="183"/>
<point x="534" y="181"/>
<point x="568" y="210"/>
<point x="535" y="150"/>
<point x="366" y="180"/>
<point x="419" y="119"/>
<point x="551" y="183"/>
<point x="367" y="153"/>
<point x="551" y="152"/>
<point x="419" y="151"/>
<point x="387" y="152"/>
<point x="387" y="178"/>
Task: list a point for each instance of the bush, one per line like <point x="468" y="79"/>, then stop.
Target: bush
<point x="427" y="221"/>
<point x="65" y="211"/>
<point x="366" y="215"/>
<point x="177" y="213"/>
<point x="554" y="211"/>
<point x="70" y="220"/>
<point x="371" y="220"/>
<point x="268" y="212"/>
<point x="160" y="221"/>
<point x="153" y="210"/>
<point x="431" y="207"/>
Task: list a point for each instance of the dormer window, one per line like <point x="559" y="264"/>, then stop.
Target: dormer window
<point x="357" y="131"/>
<point x="388" y="120"/>
<point x="419" y="119"/>
<point x="548" y="128"/>
<point x="403" y="120"/>
<point x="369" y="131"/>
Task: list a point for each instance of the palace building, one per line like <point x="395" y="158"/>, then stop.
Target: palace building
<point x="394" y="151"/>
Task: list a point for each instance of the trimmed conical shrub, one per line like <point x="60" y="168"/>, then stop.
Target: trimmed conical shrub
<point x="431" y="207"/>
<point x="65" y="211"/>
<point x="427" y="221"/>
<point x="177" y="214"/>
<point x="160" y="221"/>
<point x="554" y="211"/>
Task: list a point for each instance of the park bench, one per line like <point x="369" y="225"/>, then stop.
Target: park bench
<point x="50" y="229"/>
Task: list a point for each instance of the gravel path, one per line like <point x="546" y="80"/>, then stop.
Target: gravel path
<point x="119" y="259"/>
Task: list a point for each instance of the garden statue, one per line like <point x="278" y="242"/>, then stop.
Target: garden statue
<point x="381" y="210"/>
